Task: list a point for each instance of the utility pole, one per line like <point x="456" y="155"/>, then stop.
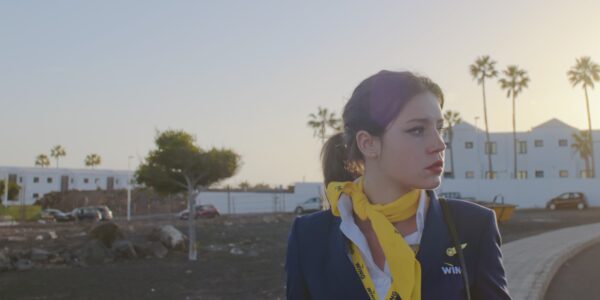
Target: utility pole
<point x="129" y="188"/>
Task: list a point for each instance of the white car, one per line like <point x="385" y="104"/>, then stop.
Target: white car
<point x="312" y="204"/>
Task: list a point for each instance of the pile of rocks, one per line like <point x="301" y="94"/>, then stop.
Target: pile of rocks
<point x="104" y="243"/>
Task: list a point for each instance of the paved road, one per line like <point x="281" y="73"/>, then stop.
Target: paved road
<point x="577" y="278"/>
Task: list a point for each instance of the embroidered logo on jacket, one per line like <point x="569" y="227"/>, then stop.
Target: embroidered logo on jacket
<point x="452" y="251"/>
<point x="450" y="269"/>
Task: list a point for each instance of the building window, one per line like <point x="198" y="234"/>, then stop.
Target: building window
<point x="72" y="181"/>
<point x="36" y="179"/>
<point x="563" y="173"/>
<point x="538" y="143"/>
<point x="468" y="145"/>
<point x="20" y="179"/>
<point x="562" y="143"/>
<point x="522" y="147"/>
<point x="49" y="180"/>
<point x="469" y="174"/>
<point x="448" y="145"/>
<point x="117" y="181"/>
<point x="36" y="195"/>
<point x="586" y="174"/>
<point x="447" y="174"/>
<point x="521" y="174"/>
<point x="490" y="175"/>
<point x="86" y="180"/>
<point x="539" y="174"/>
<point x="490" y="148"/>
<point x="96" y="180"/>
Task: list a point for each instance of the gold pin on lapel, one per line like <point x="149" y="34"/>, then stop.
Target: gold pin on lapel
<point x="452" y="251"/>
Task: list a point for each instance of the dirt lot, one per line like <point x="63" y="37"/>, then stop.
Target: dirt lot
<point x="240" y="257"/>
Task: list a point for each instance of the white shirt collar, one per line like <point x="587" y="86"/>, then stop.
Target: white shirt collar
<point x="352" y="232"/>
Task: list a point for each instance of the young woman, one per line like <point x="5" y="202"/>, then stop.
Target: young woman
<point x="387" y="235"/>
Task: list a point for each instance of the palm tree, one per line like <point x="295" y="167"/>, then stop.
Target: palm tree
<point x="92" y="160"/>
<point x="321" y="121"/>
<point x="451" y="118"/>
<point x="514" y="82"/>
<point x="42" y="160"/>
<point x="585" y="72"/>
<point x="57" y="152"/>
<point x="484" y="68"/>
<point x="581" y="145"/>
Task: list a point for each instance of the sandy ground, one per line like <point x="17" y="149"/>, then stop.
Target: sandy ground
<point x="240" y="257"/>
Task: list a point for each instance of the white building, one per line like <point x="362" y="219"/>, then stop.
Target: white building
<point x="547" y="165"/>
<point x="36" y="182"/>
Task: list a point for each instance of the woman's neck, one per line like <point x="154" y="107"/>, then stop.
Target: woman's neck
<point x="380" y="190"/>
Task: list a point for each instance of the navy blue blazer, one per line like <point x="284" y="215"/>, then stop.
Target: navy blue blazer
<point x="318" y="267"/>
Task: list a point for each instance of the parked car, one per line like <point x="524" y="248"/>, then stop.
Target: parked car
<point x="202" y="211"/>
<point x="105" y="212"/>
<point x="576" y="200"/>
<point x="55" y="215"/>
<point x="86" y="213"/>
<point x="310" y="205"/>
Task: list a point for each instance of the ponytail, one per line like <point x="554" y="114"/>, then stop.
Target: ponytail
<point x="335" y="160"/>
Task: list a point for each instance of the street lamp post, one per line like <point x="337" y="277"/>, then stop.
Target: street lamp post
<point x="129" y="188"/>
<point x="5" y="200"/>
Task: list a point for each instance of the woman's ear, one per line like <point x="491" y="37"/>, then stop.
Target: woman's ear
<point x="369" y="146"/>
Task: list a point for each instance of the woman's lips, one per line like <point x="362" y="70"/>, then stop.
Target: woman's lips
<point x="436" y="168"/>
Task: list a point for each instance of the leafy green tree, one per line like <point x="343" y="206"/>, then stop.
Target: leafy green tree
<point x="582" y="146"/>
<point x="42" y="161"/>
<point x="585" y="73"/>
<point x="514" y="82"/>
<point x="321" y="121"/>
<point x="452" y="119"/>
<point x="262" y="186"/>
<point x="92" y="160"/>
<point x="57" y="152"/>
<point x="484" y="67"/>
<point x="178" y="165"/>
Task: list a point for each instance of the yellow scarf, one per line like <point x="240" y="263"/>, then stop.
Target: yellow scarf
<point x="405" y="268"/>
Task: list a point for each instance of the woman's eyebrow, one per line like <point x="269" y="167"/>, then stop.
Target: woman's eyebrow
<point x="426" y="120"/>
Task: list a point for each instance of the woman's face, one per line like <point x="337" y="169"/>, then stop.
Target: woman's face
<point x="412" y="143"/>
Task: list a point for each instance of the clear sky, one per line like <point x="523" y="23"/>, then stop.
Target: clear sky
<point x="103" y="76"/>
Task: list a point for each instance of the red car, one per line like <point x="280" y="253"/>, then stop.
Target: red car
<point x="576" y="200"/>
<point x="202" y="211"/>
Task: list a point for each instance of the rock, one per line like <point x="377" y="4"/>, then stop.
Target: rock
<point x="124" y="249"/>
<point x="23" y="264"/>
<point x="169" y="236"/>
<point x="94" y="252"/>
<point x="5" y="263"/>
<point x="228" y="223"/>
<point x="17" y="238"/>
<point x="39" y="255"/>
<point x="158" y="249"/>
<point x="147" y="249"/>
<point x="52" y="234"/>
<point x="39" y="238"/>
<point x="107" y="233"/>
<point x="236" y="251"/>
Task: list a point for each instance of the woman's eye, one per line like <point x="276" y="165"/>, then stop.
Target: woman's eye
<point x="417" y="130"/>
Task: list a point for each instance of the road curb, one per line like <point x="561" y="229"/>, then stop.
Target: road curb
<point x="531" y="263"/>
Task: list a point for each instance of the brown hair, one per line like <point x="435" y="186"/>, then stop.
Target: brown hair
<point x="374" y="104"/>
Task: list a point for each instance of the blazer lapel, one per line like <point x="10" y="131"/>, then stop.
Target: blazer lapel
<point x="435" y="237"/>
<point x="343" y="280"/>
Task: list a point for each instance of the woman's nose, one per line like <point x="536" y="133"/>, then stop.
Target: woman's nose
<point x="438" y="144"/>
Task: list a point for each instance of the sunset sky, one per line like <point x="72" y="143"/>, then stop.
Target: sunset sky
<point x="104" y="77"/>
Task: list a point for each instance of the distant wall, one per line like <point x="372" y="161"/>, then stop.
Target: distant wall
<point x="526" y="193"/>
<point x="260" y="202"/>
